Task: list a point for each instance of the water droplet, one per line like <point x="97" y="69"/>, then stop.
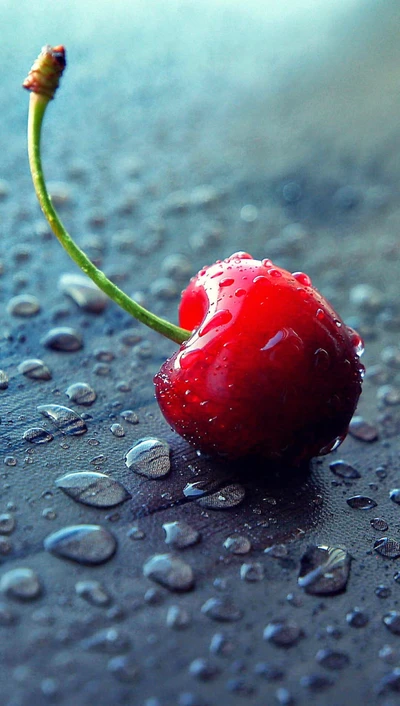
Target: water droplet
<point x="220" y="318"/>
<point x="344" y="470"/>
<point x="252" y="572"/>
<point x="7" y="523"/>
<point x="23" y="305"/>
<point x="149" y="457"/>
<point x="63" y="338"/>
<point x="21" y="583"/>
<point x="320" y="314"/>
<point x="180" y="535"/>
<point x="84" y="292"/>
<point x="93" y="592"/>
<point x="237" y="544"/>
<point x="226" y="282"/>
<point x="34" y="369"/>
<point x="361" y="502"/>
<point x="302" y="278"/>
<point x="108" y="640"/>
<point x="331" y="659"/>
<point x="356" y="618"/>
<point x="387" y="547"/>
<point x="392" y="621"/>
<point x="130" y="416"/>
<point x="379" y="524"/>
<point x="3" y="380"/>
<point x="383" y="592"/>
<point x="37" y="435"/>
<point x="117" y="430"/>
<point x="92" y="488"/>
<point x="222" y="610"/>
<point x="221" y="644"/>
<point x="277" y="551"/>
<point x="85" y="544"/>
<point x="283" y="633"/>
<point x="177" y="618"/>
<point x="362" y="430"/>
<point x="225" y="498"/>
<point x="123" y="668"/>
<point x="65" y="419"/>
<point x="81" y="393"/>
<point x="315" y="682"/>
<point x="169" y="571"/>
<point x="135" y="533"/>
<point x="324" y="570"/>
<point x="322" y="359"/>
<point x="395" y="495"/>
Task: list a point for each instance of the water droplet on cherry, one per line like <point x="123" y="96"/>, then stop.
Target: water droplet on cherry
<point x="218" y="319"/>
<point x="303" y="278"/>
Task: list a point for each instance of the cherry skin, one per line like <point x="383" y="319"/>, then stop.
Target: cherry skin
<point x="270" y="369"/>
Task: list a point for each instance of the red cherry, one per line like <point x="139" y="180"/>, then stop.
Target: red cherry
<point x="269" y="370"/>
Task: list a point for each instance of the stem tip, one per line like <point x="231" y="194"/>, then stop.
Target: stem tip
<point x="46" y="71"/>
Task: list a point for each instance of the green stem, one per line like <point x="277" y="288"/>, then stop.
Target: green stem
<point x="37" y="108"/>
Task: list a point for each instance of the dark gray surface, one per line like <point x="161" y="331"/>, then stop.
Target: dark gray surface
<point x="259" y="104"/>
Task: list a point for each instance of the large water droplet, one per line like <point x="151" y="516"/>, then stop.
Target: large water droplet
<point x="85" y="544"/>
<point x="252" y="572"/>
<point x="302" y="278"/>
<point x="63" y="338"/>
<point x="21" y="583"/>
<point x="35" y="369"/>
<point x="65" y="419"/>
<point x="387" y="547"/>
<point x="357" y="618"/>
<point x="362" y="430"/>
<point x="283" y="633"/>
<point x="379" y="524"/>
<point x="395" y="495"/>
<point x="332" y="659"/>
<point x="324" y="570"/>
<point x="392" y="621"/>
<point x="169" y="571"/>
<point x="84" y="292"/>
<point x="149" y="457"/>
<point x="23" y="305"/>
<point x="344" y="470"/>
<point x="3" y="380"/>
<point x="7" y="523"/>
<point x="180" y="535"/>
<point x="225" y="498"/>
<point x="222" y="610"/>
<point x="37" y="435"/>
<point x="220" y="318"/>
<point x="92" y="488"/>
<point x="361" y="502"/>
<point x="237" y="544"/>
<point x="81" y="393"/>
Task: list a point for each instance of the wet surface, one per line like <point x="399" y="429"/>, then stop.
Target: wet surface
<point x="177" y="579"/>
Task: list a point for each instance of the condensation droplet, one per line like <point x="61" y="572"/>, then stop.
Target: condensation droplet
<point x="85" y="544"/>
<point x="149" y="457"/>
<point x="169" y="571"/>
<point x="65" y="419"/>
<point x="180" y="535"/>
<point x="225" y="498"/>
<point x="81" y="393"/>
<point x="324" y="570"/>
<point x="222" y="610"/>
<point x="92" y="488"/>
<point x="387" y="547"/>
<point x="344" y="470"/>
<point x="21" y="583"/>
<point x="361" y="502"/>
<point x="37" y="435"/>
<point x="63" y="338"/>
<point x="35" y="369"/>
<point x="83" y="292"/>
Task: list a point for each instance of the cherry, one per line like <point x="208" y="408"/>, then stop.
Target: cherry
<point x="269" y="370"/>
<point x="265" y="366"/>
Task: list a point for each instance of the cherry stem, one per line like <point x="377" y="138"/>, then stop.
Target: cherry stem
<point x="43" y="82"/>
